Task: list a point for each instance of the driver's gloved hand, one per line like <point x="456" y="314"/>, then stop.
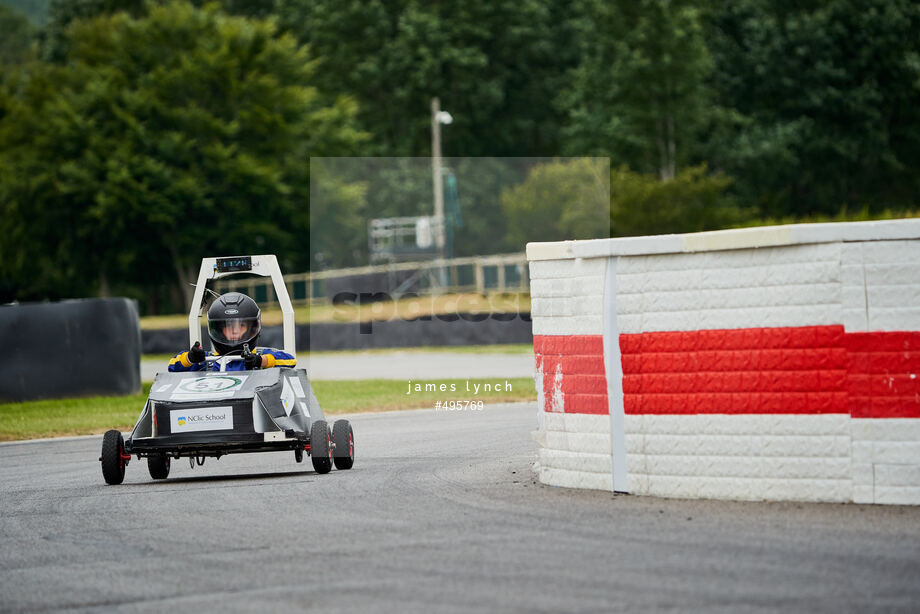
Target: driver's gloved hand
<point x="252" y="360"/>
<point x="196" y="353"/>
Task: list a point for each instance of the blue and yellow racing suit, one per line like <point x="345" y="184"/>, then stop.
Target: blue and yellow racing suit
<point x="275" y="358"/>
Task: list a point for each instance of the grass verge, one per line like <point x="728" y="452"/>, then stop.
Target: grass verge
<point x="65" y="417"/>
<point x="383" y="395"/>
<point x="87" y="416"/>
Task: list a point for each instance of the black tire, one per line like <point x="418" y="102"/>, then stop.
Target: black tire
<point x="298" y="454"/>
<point x="158" y="465"/>
<point x="344" y="440"/>
<point x="113" y="465"/>
<point x="321" y="447"/>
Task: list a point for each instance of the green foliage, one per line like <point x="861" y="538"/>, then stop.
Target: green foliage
<point x="844" y="215"/>
<point x="16" y="37"/>
<point x="481" y="183"/>
<point x="61" y="13"/>
<point x="693" y="201"/>
<point x="640" y="92"/>
<point x="338" y="225"/>
<point x="185" y="128"/>
<point x="496" y="66"/>
<point x="59" y="418"/>
<point x="384" y="395"/>
<point x="559" y="200"/>
<point x="825" y="96"/>
<point x="159" y="132"/>
<point x="36" y="11"/>
<point x="396" y="187"/>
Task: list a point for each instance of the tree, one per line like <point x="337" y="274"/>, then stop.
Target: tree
<point x="495" y="65"/>
<point x="825" y="95"/>
<point x="164" y="138"/>
<point x="692" y="201"/>
<point x="639" y="93"/>
<point x="36" y="11"/>
<point x="16" y="37"/>
<point x="61" y="13"/>
<point x="337" y="215"/>
<point x="402" y="187"/>
<point x="559" y="200"/>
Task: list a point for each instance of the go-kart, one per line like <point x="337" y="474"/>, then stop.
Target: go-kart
<point x="198" y="414"/>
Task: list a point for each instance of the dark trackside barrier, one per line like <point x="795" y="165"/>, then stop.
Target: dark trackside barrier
<point x="440" y="330"/>
<point x="175" y="340"/>
<point x="374" y="287"/>
<point x="70" y="348"/>
<point x="446" y="329"/>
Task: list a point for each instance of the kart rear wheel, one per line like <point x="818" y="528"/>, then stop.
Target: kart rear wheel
<point x="113" y="462"/>
<point x="321" y="447"/>
<point x="158" y="465"/>
<point x="344" y="439"/>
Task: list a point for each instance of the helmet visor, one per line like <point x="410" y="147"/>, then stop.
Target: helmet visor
<point x="234" y="331"/>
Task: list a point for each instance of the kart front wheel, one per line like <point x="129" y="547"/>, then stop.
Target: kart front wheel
<point x="113" y="457"/>
<point x="321" y="447"/>
<point x="158" y="465"/>
<point x="344" y="440"/>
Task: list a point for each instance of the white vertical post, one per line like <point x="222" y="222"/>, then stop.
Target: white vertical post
<point x="614" y="370"/>
<point x="287" y="309"/>
<point x="194" y="313"/>
<point x="480" y="277"/>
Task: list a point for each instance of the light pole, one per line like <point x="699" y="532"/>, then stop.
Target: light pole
<point x="438" y="117"/>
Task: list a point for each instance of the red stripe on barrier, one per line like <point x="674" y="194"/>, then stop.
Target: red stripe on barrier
<point x="586" y="404"/>
<point x="794" y="370"/>
<point x="800" y="370"/>
<point x="736" y="381"/>
<point x="788" y="338"/>
<point x="884" y="374"/>
<point x="574" y="377"/>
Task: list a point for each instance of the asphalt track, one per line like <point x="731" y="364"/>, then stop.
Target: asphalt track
<point x="440" y="514"/>
<point x="399" y="365"/>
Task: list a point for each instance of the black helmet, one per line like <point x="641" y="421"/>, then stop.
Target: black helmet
<point x="234" y="319"/>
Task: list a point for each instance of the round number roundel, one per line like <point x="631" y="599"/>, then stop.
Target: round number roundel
<point x="210" y="384"/>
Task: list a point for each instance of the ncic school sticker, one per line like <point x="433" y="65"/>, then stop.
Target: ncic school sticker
<point x="213" y="386"/>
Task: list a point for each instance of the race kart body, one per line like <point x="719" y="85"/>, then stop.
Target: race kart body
<point x="197" y="414"/>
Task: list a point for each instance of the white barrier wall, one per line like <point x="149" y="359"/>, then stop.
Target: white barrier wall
<point x="773" y="363"/>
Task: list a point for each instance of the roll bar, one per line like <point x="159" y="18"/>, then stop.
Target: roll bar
<point x="265" y="266"/>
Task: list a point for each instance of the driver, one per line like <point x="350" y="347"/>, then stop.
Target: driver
<point x="234" y="319"/>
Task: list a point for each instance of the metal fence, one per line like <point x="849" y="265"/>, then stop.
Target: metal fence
<point x="479" y="274"/>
